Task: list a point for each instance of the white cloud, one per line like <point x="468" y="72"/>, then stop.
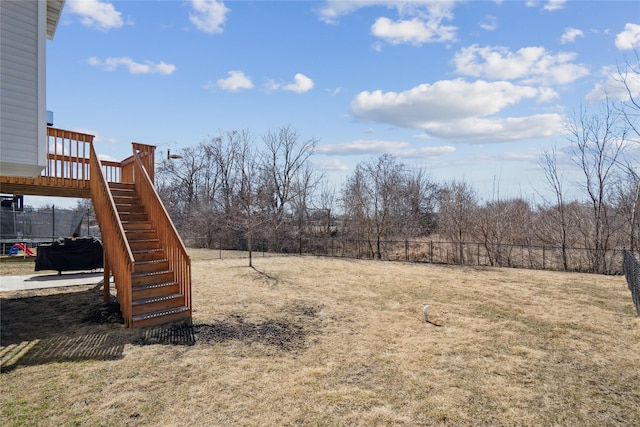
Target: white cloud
<point x="414" y="31"/>
<point x="330" y="165"/>
<point x="208" y="15"/>
<point x="361" y="146"/>
<point x="487" y="130"/>
<point x="334" y="9"/>
<point x="425" y="152"/>
<point x="443" y="100"/>
<point x="613" y="85"/>
<point x="529" y="64"/>
<point x="419" y="21"/>
<point x="458" y="110"/>
<point x="629" y="38"/>
<point x="489" y="23"/>
<point x="146" y="67"/>
<point x="552" y="5"/>
<point x="570" y="35"/>
<point x="236" y="81"/>
<point x="301" y="84"/>
<point x="96" y="14"/>
<point x="547" y="95"/>
<point x="517" y="157"/>
<point x="374" y="147"/>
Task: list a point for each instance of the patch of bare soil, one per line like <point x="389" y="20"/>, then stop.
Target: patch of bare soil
<point x="104" y="313"/>
<point x="287" y="333"/>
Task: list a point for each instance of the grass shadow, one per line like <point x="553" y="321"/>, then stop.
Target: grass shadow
<point x="74" y="324"/>
<point x="265" y="275"/>
<point x="56" y="325"/>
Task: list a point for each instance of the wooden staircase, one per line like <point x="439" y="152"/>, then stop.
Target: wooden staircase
<point x="155" y="291"/>
<point x="143" y="251"/>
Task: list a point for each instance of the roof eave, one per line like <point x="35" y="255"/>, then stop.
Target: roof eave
<point x="54" y="10"/>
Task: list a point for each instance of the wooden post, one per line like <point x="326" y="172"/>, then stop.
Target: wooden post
<point x="106" y="294"/>
<point x="406" y="250"/>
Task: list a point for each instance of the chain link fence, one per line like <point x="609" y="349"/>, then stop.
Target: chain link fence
<point x="632" y="273"/>
<point x="437" y="252"/>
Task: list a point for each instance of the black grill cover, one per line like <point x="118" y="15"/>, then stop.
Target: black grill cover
<point x="79" y="253"/>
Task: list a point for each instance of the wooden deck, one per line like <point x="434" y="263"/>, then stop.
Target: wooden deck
<point x="142" y="248"/>
<point x="67" y="171"/>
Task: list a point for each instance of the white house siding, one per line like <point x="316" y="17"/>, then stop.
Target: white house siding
<point x="23" y="27"/>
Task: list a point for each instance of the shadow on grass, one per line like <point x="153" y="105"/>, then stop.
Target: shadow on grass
<point x="74" y="324"/>
<point x="265" y="275"/>
<point x="59" y="325"/>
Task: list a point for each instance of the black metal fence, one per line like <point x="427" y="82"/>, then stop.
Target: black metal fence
<point x="439" y="252"/>
<point x="632" y="273"/>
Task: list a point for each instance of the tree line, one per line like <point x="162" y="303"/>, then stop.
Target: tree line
<point x="239" y="186"/>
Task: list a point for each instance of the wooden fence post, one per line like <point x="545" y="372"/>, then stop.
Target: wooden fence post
<point x="406" y="250"/>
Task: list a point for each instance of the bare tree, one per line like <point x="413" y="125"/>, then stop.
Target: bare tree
<point x="502" y="225"/>
<point x="179" y="182"/>
<point x="559" y="224"/>
<point x="457" y="208"/>
<point x="246" y="196"/>
<point x="325" y="201"/>
<point x="629" y="77"/>
<point x="373" y="199"/>
<point x="282" y="167"/>
<point x="304" y="187"/>
<point x="420" y="200"/>
<point x="598" y="141"/>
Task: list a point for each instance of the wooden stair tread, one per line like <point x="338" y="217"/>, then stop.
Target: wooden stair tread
<point x="161" y="314"/>
<point x="135" y="251"/>
<point x="152" y="285"/>
<point x="149" y="300"/>
<point x="152" y="261"/>
<point x="150" y="273"/>
<point x="137" y="225"/>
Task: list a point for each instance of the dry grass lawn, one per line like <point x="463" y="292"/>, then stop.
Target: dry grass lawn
<point x="331" y="342"/>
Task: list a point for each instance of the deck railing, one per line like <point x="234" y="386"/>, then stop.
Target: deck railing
<point x="68" y="164"/>
<point x="119" y="259"/>
<point x="66" y="172"/>
<point x="67" y="157"/>
<point x="74" y="170"/>
<point x="175" y="249"/>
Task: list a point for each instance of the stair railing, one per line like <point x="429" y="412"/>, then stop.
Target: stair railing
<point x="167" y="234"/>
<point x="119" y="257"/>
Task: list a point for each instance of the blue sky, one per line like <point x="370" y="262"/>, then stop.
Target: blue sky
<point x="469" y="90"/>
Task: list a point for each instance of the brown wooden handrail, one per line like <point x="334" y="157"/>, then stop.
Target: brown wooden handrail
<point x="119" y="256"/>
<point x="170" y="239"/>
<point x="67" y="155"/>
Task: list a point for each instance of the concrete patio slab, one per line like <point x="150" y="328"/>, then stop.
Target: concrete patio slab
<point x="53" y="280"/>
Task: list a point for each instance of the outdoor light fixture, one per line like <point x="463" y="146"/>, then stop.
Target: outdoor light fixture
<point x="172" y="156"/>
